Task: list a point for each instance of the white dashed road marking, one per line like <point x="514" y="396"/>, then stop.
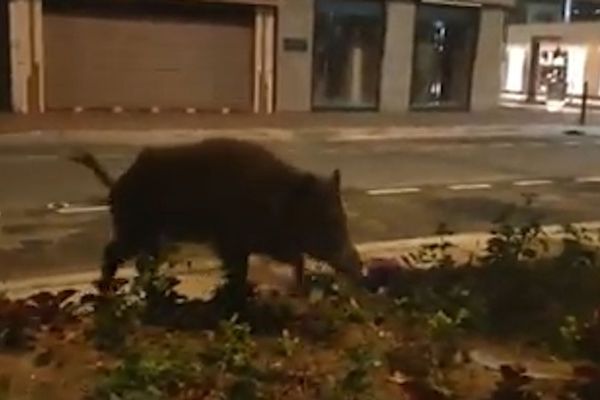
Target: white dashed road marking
<point x="41" y="157"/>
<point x="538" y="144"/>
<point x="502" y="145"/>
<point x="82" y="210"/>
<point x="470" y="186"/>
<point x="588" y="179"/>
<point x="572" y="143"/>
<point x="392" y="191"/>
<point x="534" y="182"/>
<point x="480" y="186"/>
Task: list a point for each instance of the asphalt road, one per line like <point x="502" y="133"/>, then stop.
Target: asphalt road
<point x="393" y="189"/>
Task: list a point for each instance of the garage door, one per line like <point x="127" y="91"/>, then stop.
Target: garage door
<point x="170" y="55"/>
<point x="4" y="59"/>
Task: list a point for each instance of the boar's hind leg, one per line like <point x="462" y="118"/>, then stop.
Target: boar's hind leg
<point x="115" y="254"/>
<point x="235" y="264"/>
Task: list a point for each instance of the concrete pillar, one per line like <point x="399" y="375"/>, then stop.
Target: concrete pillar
<point x="396" y="66"/>
<point x="5" y="86"/>
<point x="485" y="89"/>
<point x="269" y="60"/>
<point x="592" y="70"/>
<point x="26" y="55"/>
<point x="20" y="53"/>
<point x="567" y="10"/>
<point x="264" y="56"/>
<point x="294" y="63"/>
<point x="258" y="59"/>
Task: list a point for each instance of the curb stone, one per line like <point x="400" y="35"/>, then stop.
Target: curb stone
<point x="326" y="134"/>
<point x="198" y="281"/>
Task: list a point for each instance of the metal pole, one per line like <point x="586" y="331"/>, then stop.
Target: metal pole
<point x="584" y="98"/>
<point x="567" y="8"/>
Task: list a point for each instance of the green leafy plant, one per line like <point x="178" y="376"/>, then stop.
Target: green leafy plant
<point x="516" y="289"/>
<point x="511" y="243"/>
<point x="441" y="326"/>
<point x="17" y="325"/>
<point x="149" y="298"/>
<point x="585" y="384"/>
<point x="356" y="382"/>
<point x="233" y="348"/>
<point x="579" y="247"/>
<point x="588" y="337"/>
<point x="244" y="388"/>
<point x="435" y="254"/>
<point x="270" y="314"/>
<point x="54" y="310"/>
<point x="150" y="374"/>
<point x="115" y="316"/>
<point x="330" y="312"/>
<point x="570" y="336"/>
<point x="20" y="319"/>
<point x="232" y="354"/>
<point x="513" y="385"/>
<point x="155" y="289"/>
<point x="444" y="332"/>
<point x="287" y="343"/>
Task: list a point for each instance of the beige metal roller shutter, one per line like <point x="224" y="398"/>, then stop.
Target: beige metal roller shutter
<point x="166" y="55"/>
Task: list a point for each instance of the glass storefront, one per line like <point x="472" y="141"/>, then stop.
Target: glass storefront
<point x="444" y="52"/>
<point x="549" y="11"/>
<point x="347" y="54"/>
<point x="536" y="11"/>
<point x="585" y="10"/>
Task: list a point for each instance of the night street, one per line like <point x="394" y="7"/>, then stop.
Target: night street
<point x="393" y="189"/>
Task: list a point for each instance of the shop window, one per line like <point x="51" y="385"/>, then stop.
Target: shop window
<point x="445" y="45"/>
<point x="585" y="10"/>
<point x="347" y="54"/>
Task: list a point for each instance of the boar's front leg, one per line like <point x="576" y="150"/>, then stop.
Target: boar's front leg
<point x="115" y="253"/>
<point x="298" y="264"/>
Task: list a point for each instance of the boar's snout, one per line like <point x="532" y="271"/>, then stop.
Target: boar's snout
<point x="349" y="263"/>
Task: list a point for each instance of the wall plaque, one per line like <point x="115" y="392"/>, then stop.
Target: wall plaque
<point x="295" y="44"/>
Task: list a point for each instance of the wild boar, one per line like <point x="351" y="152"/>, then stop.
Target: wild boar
<point x="235" y="195"/>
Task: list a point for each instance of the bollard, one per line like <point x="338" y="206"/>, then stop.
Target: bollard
<point x="584" y="98"/>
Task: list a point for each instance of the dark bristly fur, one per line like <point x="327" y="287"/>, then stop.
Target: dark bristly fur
<point x="233" y="194"/>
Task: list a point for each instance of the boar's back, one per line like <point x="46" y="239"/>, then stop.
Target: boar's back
<point x="203" y="188"/>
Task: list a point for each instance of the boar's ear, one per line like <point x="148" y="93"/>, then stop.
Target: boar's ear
<point x="336" y="179"/>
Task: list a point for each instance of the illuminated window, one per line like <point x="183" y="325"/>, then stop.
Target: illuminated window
<point x="515" y="67"/>
<point x="576" y="69"/>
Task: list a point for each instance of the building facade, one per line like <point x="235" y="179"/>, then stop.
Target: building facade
<point x="253" y="55"/>
<point x="390" y="56"/>
<point x="549" y="42"/>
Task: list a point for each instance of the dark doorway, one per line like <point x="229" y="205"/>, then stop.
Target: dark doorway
<point x="445" y="45"/>
<point x="5" y="95"/>
<point x="347" y="54"/>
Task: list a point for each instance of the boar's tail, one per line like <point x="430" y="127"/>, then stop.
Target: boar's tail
<point x="88" y="160"/>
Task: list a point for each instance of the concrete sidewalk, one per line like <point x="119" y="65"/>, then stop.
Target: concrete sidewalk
<point x="12" y="123"/>
<point x="150" y="130"/>
<point x="102" y="121"/>
<point x="137" y="137"/>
